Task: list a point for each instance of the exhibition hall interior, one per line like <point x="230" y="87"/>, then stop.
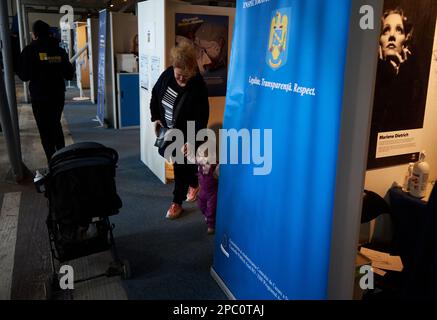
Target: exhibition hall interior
<point x="218" y="150"/>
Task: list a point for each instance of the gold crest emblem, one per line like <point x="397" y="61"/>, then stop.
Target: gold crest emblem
<point x="278" y="46"/>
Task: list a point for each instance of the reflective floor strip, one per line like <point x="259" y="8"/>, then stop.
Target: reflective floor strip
<point x="8" y="238"/>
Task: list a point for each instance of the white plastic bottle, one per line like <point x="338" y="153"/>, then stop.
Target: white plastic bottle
<point x="407" y="178"/>
<point x="419" y="178"/>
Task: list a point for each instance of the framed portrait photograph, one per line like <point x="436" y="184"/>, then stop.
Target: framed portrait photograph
<point x="209" y="34"/>
<point x="404" y="60"/>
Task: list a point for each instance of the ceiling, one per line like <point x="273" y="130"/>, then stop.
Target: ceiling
<point x="222" y="3"/>
<point x="97" y="4"/>
<point x="116" y="4"/>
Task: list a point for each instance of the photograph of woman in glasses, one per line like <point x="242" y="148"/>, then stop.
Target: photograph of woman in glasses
<point x="209" y="34"/>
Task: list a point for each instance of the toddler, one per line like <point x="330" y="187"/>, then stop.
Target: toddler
<point x="208" y="172"/>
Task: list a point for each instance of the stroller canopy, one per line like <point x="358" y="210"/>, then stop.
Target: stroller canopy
<point x="81" y="183"/>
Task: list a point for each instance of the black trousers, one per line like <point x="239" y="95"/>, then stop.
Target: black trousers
<point x="47" y="115"/>
<point x="185" y="175"/>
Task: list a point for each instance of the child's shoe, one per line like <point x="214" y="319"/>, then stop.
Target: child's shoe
<point x="192" y="194"/>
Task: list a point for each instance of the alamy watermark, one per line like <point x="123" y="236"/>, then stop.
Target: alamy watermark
<point x="366" y="280"/>
<point x="367" y="21"/>
<point x="256" y="147"/>
<point x="66" y="281"/>
<point x="67" y="20"/>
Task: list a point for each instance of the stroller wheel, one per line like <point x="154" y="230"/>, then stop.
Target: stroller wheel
<point x="126" y="273"/>
<point x="48" y="290"/>
<point x="51" y="287"/>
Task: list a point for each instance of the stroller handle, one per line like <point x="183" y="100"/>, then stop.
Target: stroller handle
<point x="82" y="150"/>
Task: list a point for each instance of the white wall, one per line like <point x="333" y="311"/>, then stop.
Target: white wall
<point x="125" y="27"/>
<point x="380" y="180"/>
<point x="151" y="15"/>
<point x="11" y="7"/>
<point x="52" y="19"/>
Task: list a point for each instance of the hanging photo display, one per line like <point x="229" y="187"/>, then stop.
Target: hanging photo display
<point x="155" y="70"/>
<point x="144" y="71"/>
<point x="404" y="60"/>
<point x="101" y="87"/>
<point x="209" y="33"/>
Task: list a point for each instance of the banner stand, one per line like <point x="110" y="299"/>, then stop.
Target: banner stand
<point x="222" y="285"/>
<point x="294" y="98"/>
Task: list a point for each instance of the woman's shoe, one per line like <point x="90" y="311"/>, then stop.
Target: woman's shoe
<point x="174" y="211"/>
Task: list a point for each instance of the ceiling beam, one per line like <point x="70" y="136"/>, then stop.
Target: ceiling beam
<point x="86" y="4"/>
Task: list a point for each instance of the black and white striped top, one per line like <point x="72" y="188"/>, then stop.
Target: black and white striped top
<point x="168" y="102"/>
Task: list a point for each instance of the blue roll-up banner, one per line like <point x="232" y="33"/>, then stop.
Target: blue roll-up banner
<point x="103" y="16"/>
<point x="284" y="94"/>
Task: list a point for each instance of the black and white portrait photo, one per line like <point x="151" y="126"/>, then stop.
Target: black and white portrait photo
<point x="404" y="59"/>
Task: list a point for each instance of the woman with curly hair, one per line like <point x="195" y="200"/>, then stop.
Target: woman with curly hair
<point x="180" y="95"/>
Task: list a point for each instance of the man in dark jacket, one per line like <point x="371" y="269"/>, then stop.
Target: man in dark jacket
<point x="46" y="65"/>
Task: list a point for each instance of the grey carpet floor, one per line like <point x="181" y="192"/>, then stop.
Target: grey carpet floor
<point x="169" y="259"/>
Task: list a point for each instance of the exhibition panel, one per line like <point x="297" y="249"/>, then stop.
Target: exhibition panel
<point x="162" y="25"/>
<point x="93" y="55"/>
<point x="285" y="87"/>
<point x="116" y="34"/>
<point x="151" y="45"/>
<point x="102" y="67"/>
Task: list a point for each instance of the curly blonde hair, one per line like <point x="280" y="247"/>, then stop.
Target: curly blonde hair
<point x="184" y="56"/>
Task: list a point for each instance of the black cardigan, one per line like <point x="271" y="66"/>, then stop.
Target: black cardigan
<point x="193" y="106"/>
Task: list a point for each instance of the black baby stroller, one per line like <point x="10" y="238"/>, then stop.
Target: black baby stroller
<point x="81" y="193"/>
